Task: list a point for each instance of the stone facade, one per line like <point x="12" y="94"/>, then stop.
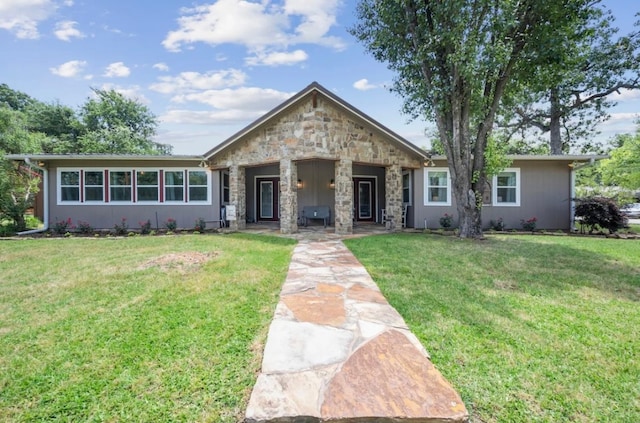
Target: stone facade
<point x="316" y="127"/>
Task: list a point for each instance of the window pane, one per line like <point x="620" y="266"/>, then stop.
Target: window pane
<point x="507" y="179"/>
<point x="93" y="194"/>
<point x="197" y="193"/>
<point x="197" y="178"/>
<point x="438" y="179"/>
<point x="69" y="178"/>
<point x="173" y="194"/>
<point x="120" y="178"/>
<point x="506" y="195"/>
<point x="120" y="193"/>
<point x="147" y="193"/>
<point x="147" y="178"/>
<point x="438" y="195"/>
<point x="174" y="178"/>
<point x="93" y="178"/>
<point x="70" y="193"/>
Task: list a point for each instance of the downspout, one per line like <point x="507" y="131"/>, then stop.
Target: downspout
<point x="45" y="198"/>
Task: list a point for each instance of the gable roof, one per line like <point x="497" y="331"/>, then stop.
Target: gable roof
<point x="337" y="101"/>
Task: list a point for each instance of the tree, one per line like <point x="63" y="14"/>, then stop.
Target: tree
<point x="115" y="124"/>
<point x="623" y="166"/>
<point x="455" y="60"/>
<point x="568" y="100"/>
<point x="18" y="187"/>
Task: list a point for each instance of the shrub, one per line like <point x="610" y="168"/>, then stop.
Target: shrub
<point x="145" y="227"/>
<point x="200" y="225"/>
<point x="122" y="227"/>
<point x="497" y="225"/>
<point x="32" y="222"/>
<point x="84" y="227"/>
<point x="171" y="224"/>
<point x="446" y="221"/>
<point x="529" y="224"/>
<point x="599" y="211"/>
<point x="61" y="227"/>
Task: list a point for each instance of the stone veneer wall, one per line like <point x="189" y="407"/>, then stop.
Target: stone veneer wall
<point x="328" y="132"/>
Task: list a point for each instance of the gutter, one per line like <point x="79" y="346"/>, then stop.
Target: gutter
<point x="45" y="198"/>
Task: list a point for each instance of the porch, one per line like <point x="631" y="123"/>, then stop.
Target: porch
<point x="356" y="194"/>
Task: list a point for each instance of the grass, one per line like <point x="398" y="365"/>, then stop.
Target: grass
<point x="527" y="328"/>
<point x="86" y="334"/>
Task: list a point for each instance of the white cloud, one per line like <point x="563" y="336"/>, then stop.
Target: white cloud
<point x="277" y="58"/>
<point x="65" y="30"/>
<point x="625" y="95"/>
<point x="209" y="117"/>
<point x="21" y="17"/>
<point x="162" y="67"/>
<point x="318" y="16"/>
<point x="229" y="106"/>
<point x="244" y="98"/>
<point x="364" y="85"/>
<point x="69" y="69"/>
<point x="256" y="25"/>
<point x="133" y="92"/>
<point x="187" y="82"/>
<point x="68" y="3"/>
<point x="117" y="70"/>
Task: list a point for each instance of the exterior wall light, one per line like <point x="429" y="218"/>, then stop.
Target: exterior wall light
<point x="332" y="184"/>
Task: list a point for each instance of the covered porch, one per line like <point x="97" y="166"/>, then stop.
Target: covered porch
<point x="278" y="193"/>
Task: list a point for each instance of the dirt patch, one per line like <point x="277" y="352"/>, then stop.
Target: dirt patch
<point x="188" y="261"/>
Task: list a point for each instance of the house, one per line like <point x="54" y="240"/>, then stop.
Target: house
<point x="314" y="149"/>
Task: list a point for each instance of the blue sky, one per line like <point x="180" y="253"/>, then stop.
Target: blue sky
<point x="209" y="68"/>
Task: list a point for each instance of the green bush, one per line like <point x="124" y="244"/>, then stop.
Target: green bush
<point x="599" y="211"/>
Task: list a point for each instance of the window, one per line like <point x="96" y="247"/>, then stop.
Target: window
<point x="174" y="185"/>
<point x="506" y="188"/>
<point x="120" y="185"/>
<point x="198" y="185"/>
<point x="147" y="185"/>
<point x="70" y="186"/>
<point x="133" y="186"/>
<point x="93" y="185"/>
<point x="406" y="188"/>
<point x="225" y="188"/>
<point x="437" y="187"/>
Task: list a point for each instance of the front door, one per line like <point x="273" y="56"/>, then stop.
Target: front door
<point x="268" y="198"/>
<point x="364" y="200"/>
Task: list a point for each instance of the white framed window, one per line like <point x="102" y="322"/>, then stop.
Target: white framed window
<point x="147" y="186"/>
<point x="437" y="187"/>
<point x="198" y="186"/>
<point x="133" y="186"/>
<point x="120" y="185"/>
<point x="68" y="186"/>
<point x="174" y="185"/>
<point x="93" y="185"/>
<point x="506" y="188"/>
<point x="407" y="188"/>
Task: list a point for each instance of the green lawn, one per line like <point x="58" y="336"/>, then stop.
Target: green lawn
<point x="527" y="328"/>
<point x="88" y="333"/>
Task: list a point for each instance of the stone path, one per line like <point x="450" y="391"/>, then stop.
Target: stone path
<point x="338" y="352"/>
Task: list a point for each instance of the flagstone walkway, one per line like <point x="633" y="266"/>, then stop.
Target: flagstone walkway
<point x="338" y="352"/>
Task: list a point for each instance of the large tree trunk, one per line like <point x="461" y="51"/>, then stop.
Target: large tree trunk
<point x="470" y="215"/>
<point x="555" y="139"/>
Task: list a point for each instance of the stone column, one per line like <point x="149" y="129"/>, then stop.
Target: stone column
<point x="393" y="190"/>
<point x="238" y="197"/>
<point x="344" y="197"/>
<point x="288" y="196"/>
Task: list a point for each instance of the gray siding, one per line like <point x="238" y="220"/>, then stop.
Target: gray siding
<point x="545" y="194"/>
<point x="105" y="216"/>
